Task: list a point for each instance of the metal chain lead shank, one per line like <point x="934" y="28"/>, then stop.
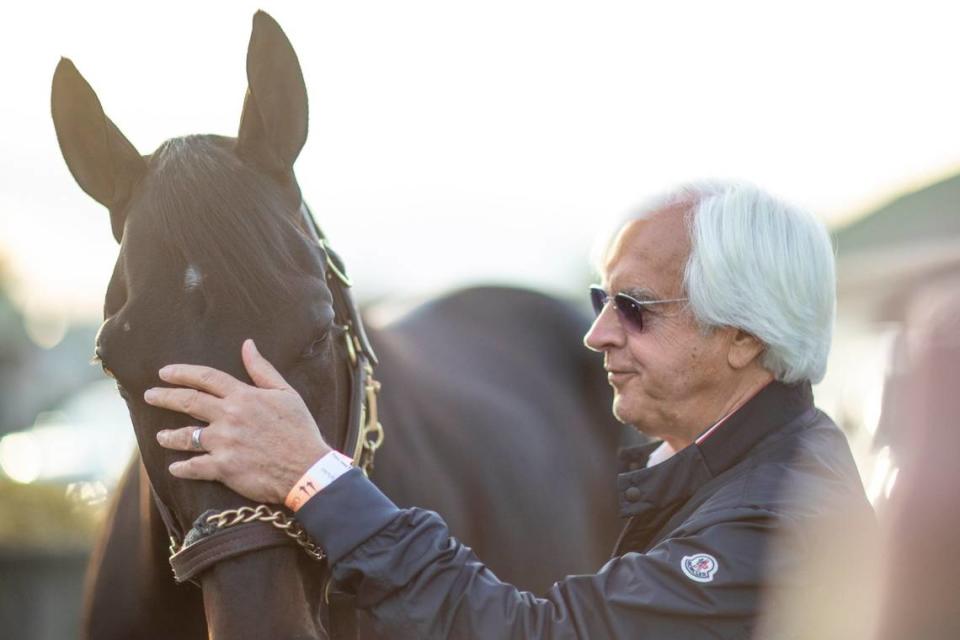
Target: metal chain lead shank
<point x="263" y="513"/>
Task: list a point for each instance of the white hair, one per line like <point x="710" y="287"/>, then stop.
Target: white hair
<point x="761" y="265"/>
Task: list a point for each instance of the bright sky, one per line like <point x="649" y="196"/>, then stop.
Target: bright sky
<point x="465" y="142"/>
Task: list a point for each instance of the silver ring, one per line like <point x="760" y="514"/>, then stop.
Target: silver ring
<point x="195" y="440"/>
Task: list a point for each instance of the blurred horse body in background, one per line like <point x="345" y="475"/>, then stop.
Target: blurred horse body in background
<point x="495" y="415"/>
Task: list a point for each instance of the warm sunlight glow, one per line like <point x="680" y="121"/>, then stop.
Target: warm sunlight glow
<point x="891" y="483"/>
<point x="46" y="330"/>
<point x="882" y="475"/>
<point x="20" y="457"/>
<point x="90" y="442"/>
<point x="455" y="143"/>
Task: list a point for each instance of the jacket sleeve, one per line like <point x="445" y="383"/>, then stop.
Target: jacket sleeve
<point x="417" y="581"/>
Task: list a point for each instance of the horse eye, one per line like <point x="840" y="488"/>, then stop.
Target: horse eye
<point x="316" y="347"/>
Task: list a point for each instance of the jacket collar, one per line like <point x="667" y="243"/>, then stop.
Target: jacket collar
<point x="672" y="482"/>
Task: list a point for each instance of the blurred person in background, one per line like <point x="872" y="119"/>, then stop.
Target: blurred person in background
<point x="907" y="585"/>
<point x="714" y="316"/>
<point x="920" y="588"/>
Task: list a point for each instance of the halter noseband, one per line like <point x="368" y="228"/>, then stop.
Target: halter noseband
<point x="220" y="535"/>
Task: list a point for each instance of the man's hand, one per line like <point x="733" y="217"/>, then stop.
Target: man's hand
<point x="259" y="440"/>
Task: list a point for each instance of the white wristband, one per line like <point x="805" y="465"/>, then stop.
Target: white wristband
<point x="322" y="473"/>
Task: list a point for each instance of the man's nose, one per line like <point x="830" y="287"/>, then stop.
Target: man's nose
<point x="605" y="332"/>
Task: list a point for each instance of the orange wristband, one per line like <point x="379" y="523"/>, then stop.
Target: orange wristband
<point x="322" y="473"/>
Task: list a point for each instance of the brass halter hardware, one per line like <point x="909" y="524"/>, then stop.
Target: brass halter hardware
<point x="351" y="346"/>
<point x="331" y="265"/>
<point x="371" y="437"/>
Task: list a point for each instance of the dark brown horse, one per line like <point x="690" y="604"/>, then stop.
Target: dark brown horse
<point x="495" y="415"/>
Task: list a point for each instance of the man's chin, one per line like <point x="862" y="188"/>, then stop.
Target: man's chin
<point x="627" y="414"/>
<point x="621" y="412"/>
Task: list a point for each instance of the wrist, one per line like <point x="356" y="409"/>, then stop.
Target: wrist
<point x="328" y="467"/>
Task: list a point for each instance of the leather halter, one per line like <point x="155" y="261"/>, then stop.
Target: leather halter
<point x="206" y="544"/>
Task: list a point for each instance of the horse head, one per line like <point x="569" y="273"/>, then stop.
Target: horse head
<point x="215" y="247"/>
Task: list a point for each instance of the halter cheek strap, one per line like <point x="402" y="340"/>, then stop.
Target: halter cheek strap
<point x="364" y="434"/>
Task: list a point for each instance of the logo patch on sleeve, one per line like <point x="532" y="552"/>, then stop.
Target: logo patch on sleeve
<point x="700" y="567"/>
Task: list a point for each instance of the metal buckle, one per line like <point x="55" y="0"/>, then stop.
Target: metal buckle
<point x="327" y="252"/>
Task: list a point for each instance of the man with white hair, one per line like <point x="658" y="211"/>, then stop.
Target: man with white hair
<point x="714" y="316"/>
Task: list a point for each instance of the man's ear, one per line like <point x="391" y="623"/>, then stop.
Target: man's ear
<point x="744" y="349"/>
<point x="101" y="159"/>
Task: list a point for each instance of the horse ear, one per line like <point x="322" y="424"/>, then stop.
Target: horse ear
<point x="273" y="126"/>
<point x="101" y="159"/>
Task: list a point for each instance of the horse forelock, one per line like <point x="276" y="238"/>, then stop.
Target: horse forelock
<point x="224" y="224"/>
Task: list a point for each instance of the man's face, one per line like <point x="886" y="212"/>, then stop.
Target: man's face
<point x="669" y="378"/>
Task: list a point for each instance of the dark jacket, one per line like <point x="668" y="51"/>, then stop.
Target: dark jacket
<point x="694" y="560"/>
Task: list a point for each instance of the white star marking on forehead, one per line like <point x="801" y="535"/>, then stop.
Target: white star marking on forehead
<point x="192" y="278"/>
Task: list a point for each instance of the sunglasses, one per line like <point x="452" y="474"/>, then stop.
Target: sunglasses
<point x="629" y="309"/>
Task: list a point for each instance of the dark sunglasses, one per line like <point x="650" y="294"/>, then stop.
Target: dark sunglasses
<point x="629" y="309"/>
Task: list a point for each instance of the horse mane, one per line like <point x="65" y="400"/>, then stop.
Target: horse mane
<point x="208" y="208"/>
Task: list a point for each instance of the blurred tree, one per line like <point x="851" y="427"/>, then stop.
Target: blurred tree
<point x="14" y="349"/>
<point x="34" y="379"/>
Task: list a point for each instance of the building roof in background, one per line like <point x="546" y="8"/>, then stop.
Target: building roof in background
<point x="930" y="213"/>
<point x="891" y="252"/>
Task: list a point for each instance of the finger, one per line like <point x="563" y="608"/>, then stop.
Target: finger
<point x="208" y="379"/>
<point x="197" y="468"/>
<point x="259" y="369"/>
<point x="195" y="403"/>
<point x="182" y="439"/>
